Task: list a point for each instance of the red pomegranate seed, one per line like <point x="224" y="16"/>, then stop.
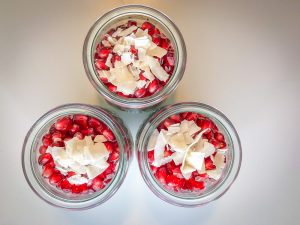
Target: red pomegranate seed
<point x="150" y="156"/>
<point x="177" y="172"/>
<point x="170" y="59"/>
<point x="109" y="135"/>
<point x="198" y="185"/>
<point x="109" y="146"/>
<point x="97" y="184"/>
<point x="209" y="165"/>
<point x="47" y="140"/>
<point x="70" y="173"/>
<point x="156" y="40"/>
<point x="104" y="52"/>
<point x="58" y="144"/>
<point x="100" y="64"/>
<point x="206" y="124"/>
<point x="176" y="118"/>
<point x="114" y="156"/>
<point x="122" y="95"/>
<point x="48" y="171"/>
<point x="133" y="50"/>
<point x="43" y="149"/>
<point x="131" y="23"/>
<point x="161" y="175"/>
<point x="172" y="181"/>
<point x="219" y="136"/>
<point x="55" y="178"/>
<point x="57" y="136"/>
<point x="191" y="116"/>
<point x="142" y="77"/>
<point x="75" y="128"/>
<point x="149" y="26"/>
<point x="81" y="120"/>
<point x="169" y="122"/>
<point x="76" y="189"/>
<point x="93" y="122"/>
<point x="153" y="86"/>
<point x="139" y="93"/>
<point x="45" y="158"/>
<point x="63" y="124"/>
<point x="88" y="132"/>
<point x="164" y="43"/>
<point x="153" y="169"/>
<point x="115" y="58"/>
<point x="112" y="88"/>
<point x="183" y="115"/>
<point x="104" y="80"/>
<point x="110" y="169"/>
<point x="167" y="153"/>
<point x="65" y="185"/>
<point x="222" y="145"/>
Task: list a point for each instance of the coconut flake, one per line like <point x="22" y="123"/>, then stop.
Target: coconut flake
<point x="156" y="68"/>
<point x="108" y="60"/>
<point x="193" y="128"/>
<point x="123" y="80"/>
<point x="77" y="179"/>
<point x="142" y="42"/>
<point x="117" y="32"/>
<point x="94" y="171"/>
<point x="104" y="74"/>
<point x="157" y="51"/>
<point x="111" y="40"/>
<point x="127" y="31"/>
<point x="106" y="43"/>
<point x="100" y="138"/>
<point x="127" y="58"/>
<point x="152" y="140"/>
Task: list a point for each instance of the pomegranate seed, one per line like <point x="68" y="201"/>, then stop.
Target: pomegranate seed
<point x="112" y="88"/>
<point x="104" y="52"/>
<point x="109" y="146"/>
<point x="133" y="50"/>
<point x="191" y="116"/>
<point x="149" y="26"/>
<point x="58" y="144"/>
<point x="222" y="145"/>
<point x="74" y="129"/>
<point x="47" y="140"/>
<point x="100" y="64"/>
<point x="88" y="132"/>
<point x="206" y="124"/>
<point x="167" y="153"/>
<point x="65" y="185"/>
<point x="172" y="181"/>
<point x="170" y="60"/>
<point x="55" y="178"/>
<point x="97" y="184"/>
<point x="76" y="189"/>
<point x="122" y="95"/>
<point x="142" y="77"/>
<point x="43" y="149"/>
<point x="219" y="136"/>
<point x="161" y="175"/>
<point x="175" y="118"/>
<point x="131" y="23"/>
<point x="209" y="165"/>
<point x="81" y="120"/>
<point x="177" y="172"/>
<point x="45" y="158"/>
<point x="111" y="31"/>
<point x="169" y="122"/>
<point x="153" y="86"/>
<point x="150" y="156"/>
<point x="57" y="136"/>
<point x="48" y="171"/>
<point x="198" y="185"/>
<point x="115" y="58"/>
<point x="70" y="173"/>
<point x="109" y="135"/>
<point x="139" y="93"/>
<point x="100" y="129"/>
<point x="114" y="156"/>
<point x="156" y="39"/>
<point x="153" y="169"/>
<point x="104" y="80"/>
<point x="183" y="115"/>
<point x="63" y="124"/>
<point x="164" y="43"/>
<point x="93" y="122"/>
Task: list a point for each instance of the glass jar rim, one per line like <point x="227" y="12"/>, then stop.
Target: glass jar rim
<point x="122" y="135"/>
<point x="141" y="149"/>
<point x="161" y="18"/>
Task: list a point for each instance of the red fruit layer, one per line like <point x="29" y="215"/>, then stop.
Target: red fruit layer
<point x="77" y="126"/>
<point x="169" y="175"/>
<point x="167" y="61"/>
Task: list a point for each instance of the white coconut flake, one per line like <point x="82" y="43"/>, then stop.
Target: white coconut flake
<point x="104" y="74"/>
<point x="152" y="140"/>
<point x="147" y="73"/>
<point x="214" y="174"/>
<point x="127" y="58"/>
<point x="108" y="60"/>
<point x="106" y="43"/>
<point x="156" y="68"/>
<point x="111" y="40"/>
<point x="193" y="128"/>
<point x="157" y="51"/>
<point x="100" y="138"/>
<point x="141" y="83"/>
<point x="139" y="33"/>
<point x="94" y="171"/>
<point x="124" y="80"/>
<point x="117" y="32"/>
<point x="127" y="31"/>
<point x="77" y="179"/>
<point x="195" y="159"/>
<point x="178" y="157"/>
<point x="142" y="42"/>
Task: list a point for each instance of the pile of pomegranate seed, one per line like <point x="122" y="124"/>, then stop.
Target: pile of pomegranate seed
<point x="169" y="174"/>
<point x="167" y="62"/>
<point x="65" y="129"/>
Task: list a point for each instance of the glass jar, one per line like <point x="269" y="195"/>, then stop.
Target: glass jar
<point x="233" y="157"/>
<point x="33" y="171"/>
<point x="119" y="16"/>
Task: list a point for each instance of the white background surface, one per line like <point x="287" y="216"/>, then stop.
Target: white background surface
<point x="243" y="58"/>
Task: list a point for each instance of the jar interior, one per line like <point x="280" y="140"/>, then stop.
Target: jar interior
<point x="139" y="17"/>
<point x="44" y="183"/>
